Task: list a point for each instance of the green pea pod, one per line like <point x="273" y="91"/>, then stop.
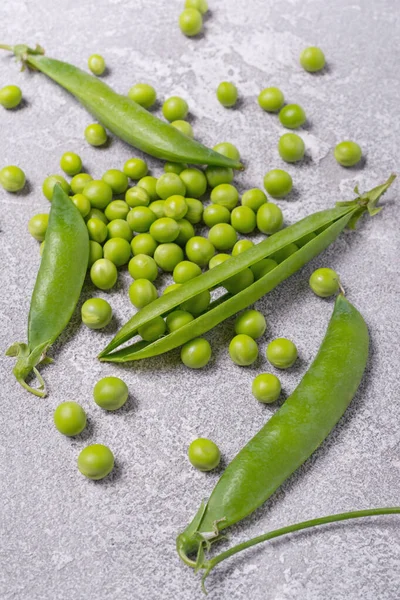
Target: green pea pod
<point x="57" y="289"/>
<point x="121" y="115"/>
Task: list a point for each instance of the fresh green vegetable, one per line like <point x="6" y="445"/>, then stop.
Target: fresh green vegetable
<point x="185" y="270"/>
<point x="104" y="274"/>
<point x="196" y="353"/>
<point x="135" y="168"/>
<point x="69" y="418"/>
<point x="95" y="253"/>
<point x="117" y="250"/>
<point x="243" y="350"/>
<point x="194" y="211"/>
<point x="324" y="282"/>
<point x="167" y="256"/>
<point x="266" y="388"/>
<point x="291" y="147"/>
<point x="218" y="259"/>
<point x="142" y="266"/>
<point x="239" y="282"/>
<point x="184" y="127"/>
<point x="78" y="182"/>
<point x="142" y="292"/>
<point x="50" y="182"/>
<point x="226" y="195"/>
<point x="95" y="134"/>
<point x="170" y="184"/>
<point x="227" y="94"/>
<point x="37" y="226"/>
<point x="10" y="96"/>
<point x="173" y="167"/>
<point x="164" y="230"/>
<point x="254" y="198"/>
<point x="195" y="182"/>
<point x="312" y="59"/>
<point x="119" y="228"/>
<point x="157" y="207"/>
<point x="271" y="99"/>
<point x="96" y="213"/>
<point x="96" y="313"/>
<point x="348" y="153"/>
<point x="278" y="183"/>
<point x="149" y="183"/>
<point x="175" y="207"/>
<point x="269" y="218"/>
<point x="117" y="209"/>
<point x="97" y="230"/>
<point x="143" y="94"/>
<point x="198" y="304"/>
<point x="143" y="243"/>
<point x="227" y="149"/>
<point x="263" y="267"/>
<point x="137" y="196"/>
<point x="203" y="454"/>
<point x="140" y="219"/>
<point x="241" y="246"/>
<point x="216" y="213"/>
<point x="199" y="250"/>
<point x="82" y="204"/>
<point x="222" y="236"/>
<point x="285" y="252"/>
<point x="186" y="232"/>
<point x="99" y="193"/>
<point x="152" y="331"/>
<point x="96" y="64"/>
<point x="117" y="180"/>
<point x="71" y="163"/>
<point x="177" y="319"/>
<point x="292" y="116"/>
<point x="217" y="175"/>
<point x="200" y="5"/>
<point x="96" y="461"/>
<point x="243" y="219"/>
<point x="174" y="109"/>
<point x="251" y="323"/>
<point x="110" y="393"/>
<point x="281" y="353"/>
<point x="190" y="22"/>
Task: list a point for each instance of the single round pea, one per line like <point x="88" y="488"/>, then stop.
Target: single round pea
<point x="97" y="230"/>
<point x="227" y="149"/>
<point x="291" y="147"/>
<point x="185" y="270"/>
<point x="284" y="253"/>
<point x="190" y="22"/>
<point x="149" y="184"/>
<point x="172" y="167"/>
<point x="177" y="319"/>
<point x="194" y="211"/>
<point x="200" y="5"/>
<point x="263" y="267"/>
<point x="117" y="180"/>
<point x="78" y="182"/>
<point x="96" y="64"/>
<point x="167" y="256"/>
<point x="142" y="292"/>
<point x="143" y="94"/>
<point x="222" y="236"/>
<point x="266" y="388"/>
<point x="175" y="207"/>
<point x="312" y="59"/>
<point x="218" y="259"/>
<point x="82" y="204"/>
<point x="71" y="163"/>
<point x="199" y="250"/>
<point x="119" y="228"/>
<point x="142" y="266"/>
<point x="95" y="252"/>
<point x="99" y="193"/>
<point x="186" y="232"/>
<point x="184" y="127"/>
<point x="137" y="196"/>
<point x="269" y="218"/>
<point x="347" y="153"/>
<point x="50" y="182"/>
<point x="281" y="353"/>
<point x="218" y="175"/>
<point x="243" y="219"/>
<point x="170" y="184"/>
<point x="95" y="134"/>
<point x="227" y="94"/>
<point x="175" y="108"/>
<point x="37" y="226"/>
<point x="135" y="168"/>
<point x="157" y="207"/>
<point x="278" y="183"/>
<point x="117" y="209"/>
<point x="271" y="99"/>
<point x="305" y="239"/>
<point x="243" y="350"/>
<point x="241" y="246"/>
<point x="214" y="214"/>
<point x="196" y="353"/>
<point x="226" y="195"/>
<point x="239" y="282"/>
<point x="96" y="461"/>
<point x="252" y="323"/>
<point x="292" y="116"/>
<point x="69" y="418"/>
<point x="143" y="243"/>
<point x="10" y="96"/>
<point x="95" y="213"/>
<point x="171" y="288"/>
<point x="204" y="455"/>
<point x="198" y="304"/>
<point x="140" y="219"/>
<point x="153" y="330"/>
<point x="254" y="198"/>
<point x="110" y="393"/>
<point x="195" y="182"/>
<point x="104" y="274"/>
<point x="118" y="251"/>
<point x="324" y="282"/>
<point x="164" y="230"/>
<point x="96" y="313"/>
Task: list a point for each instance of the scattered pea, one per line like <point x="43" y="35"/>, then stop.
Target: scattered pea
<point x="226" y="195"/>
<point x="217" y="175"/>
<point x="184" y="127"/>
<point x="278" y="183"/>
<point x="170" y="184"/>
<point x="185" y="271"/>
<point x="200" y="5"/>
<point x="110" y="393"/>
<point x="241" y="246"/>
<point x="347" y="153"/>
<point x="186" y="232"/>
<point x="196" y="353"/>
<point x="177" y="319"/>
<point x="99" y="193"/>
<point x="149" y="183"/>
<point x="199" y="250"/>
<point x="204" y="455"/>
<point x="140" y="219"/>
<point x="143" y="94"/>
<point x="324" y="282"/>
<point x="96" y="461"/>
<point x="251" y="323"/>
<point x="137" y="196"/>
<point x="135" y="168"/>
<point x="117" y="180"/>
<point x="143" y="266"/>
<point x="142" y="292"/>
<point x="95" y="252"/>
<point x="269" y="218"/>
<point x="312" y="59"/>
<point x="97" y="64"/>
<point x="143" y="243"/>
<point x="104" y="274"/>
<point x="175" y="108"/>
<point x="254" y="198"/>
<point x="243" y="219"/>
<point x="117" y="209"/>
<point x="291" y="147"/>
<point x="96" y="313"/>
<point x="78" y="182"/>
<point x="10" y="96"/>
<point x="190" y="22"/>
<point x="37" y="226"/>
<point x="82" y="204"/>
<point x="164" y="230"/>
<point x="292" y="116"/>
<point x="172" y="167"/>
<point x="118" y="250"/>
<point x="222" y="236"/>
<point x="153" y="330"/>
<point x="266" y="388"/>
<point x="271" y="99"/>
<point x="214" y="214"/>
<point x="167" y="256"/>
<point x="119" y="228"/>
<point x="195" y="182"/>
<point x="227" y="94"/>
<point x="95" y="134"/>
<point x="71" y="163"/>
<point x="243" y="350"/>
<point x="97" y="230"/>
<point x="194" y="211"/>
<point x="227" y="149"/>
<point x="50" y="182"/>
<point x="69" y="418"/>
<point x="281" y="353"/>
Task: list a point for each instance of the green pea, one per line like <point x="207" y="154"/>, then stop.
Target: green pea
<point x="96" y="313"/>
<point x="175" y="108"/>
<point x="135" y="168"/>
<point x="348" y="153"/>
<point x="137" y="196"/>
<point x="218" y="175"/>
<point x="95" y="134"/>
<point x="142" y="266"/>
<point x="227" y="149"/>
<point x="119" y="228"/>
<point x="172" y="167"/>
<point x="164" y="230"/>
<point x="10" y="96"/>
<point x="184" y="127"/>
<point x="200" y="5"/>
<point x="170" y="184"/>
<point x="110" y="393"/>
<point x="175" y="207"/>
<point x="305" y="239"/>
<point x="204" y="455"/>
<point x="216" y="213"/>
<point x="97" y="230"/>
<point x="37" y="226"/>
<point x="190" y="22"/>
<point x="324" y="282"/>
<point x="185" y="271"/>
<point x="195" y="182"/>
<point x="103" y="274"/>
<point x="171" y="288"/>
<point x="95" y="252"/>
<point x="239" y="282"/>
<point x="82" y="204"/>
<point x="241" y="246"/>
<point x="292" y="116"/>
<point x="278" y="183"/>
<point x="78" y="182"/>
<point x="263" y="267"/>
<point x="143" y="243"/>
<point x="71" y="163"/>
<point x="252" y="323"/>
<point x="167" y="256"/>
<point x="271" y="99"/>
<point x="96" y="461"/>
<point x="149" y="183"/>
<point x="95" y="213"/>
<point x="186" y="232"/>
<point x="281" y="353"/>
<point x="199" y="250"/>
<point x="243" y="350"/>
<point x="177" y="319"/>
<point x="254" y="198"/>
<point x="218" y="259"/>
<point x="198" y="304"/>
<point x="99" y="193"/>
<point x="194" y="211"/>
<point x="227" y="94"/>
<point x="142" y="292"/>
<point x="266" y="388"/>
<point x="117" y="209"/>
<point x="153" y="330"/>
<point x="312" y="59"/>
<point x="226" y="195"/>
<point x="117" y="180"/>
<point x="243" y="219"/>
<point x="196" y="353"/>
<point x="269" y="218"/>
<point x="157" y="207"/>
<point x="140" y="219"/>
<point x="50" y="182"/>
<point x="291" y="147"/>
<point x="69" y="418"/>
<point x="222" y="236"/>
<point x="118" y="251"/>
<point x="96" y="64"/>
<point x="285" y="252"/>
<point x="143" y="94"/>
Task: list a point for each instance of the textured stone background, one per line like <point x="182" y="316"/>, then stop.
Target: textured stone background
<point x="65" y="538"/>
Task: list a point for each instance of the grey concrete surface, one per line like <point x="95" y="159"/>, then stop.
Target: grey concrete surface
<point x="65" y="538"/>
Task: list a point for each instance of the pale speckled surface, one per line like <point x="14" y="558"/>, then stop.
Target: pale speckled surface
<point x="64" y="538"/>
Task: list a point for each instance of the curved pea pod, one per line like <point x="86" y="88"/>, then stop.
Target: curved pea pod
<point x="57" y="289"/>
<point x="121" y="115"/>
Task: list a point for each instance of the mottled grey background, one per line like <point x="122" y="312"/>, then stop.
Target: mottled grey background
<point x="65" y="538"/>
